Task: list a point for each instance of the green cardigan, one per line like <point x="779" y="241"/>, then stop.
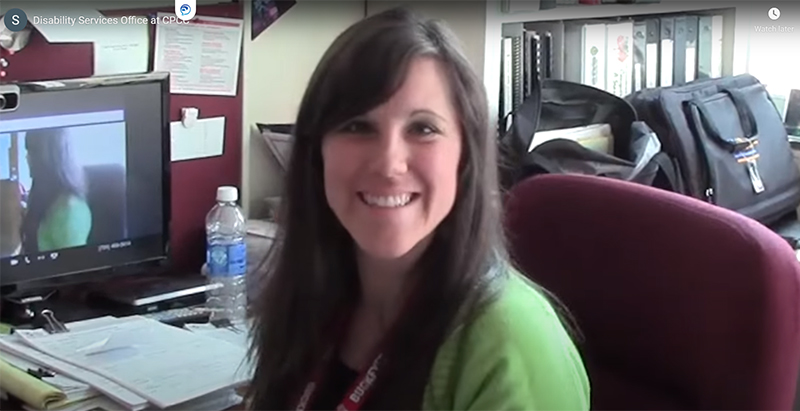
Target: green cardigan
<point x="67" y="223"/>
<point x="515" y="355"/>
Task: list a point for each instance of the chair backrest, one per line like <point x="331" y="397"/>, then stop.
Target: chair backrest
<point x="682" y="305"/>
<point x="107" y="199"/>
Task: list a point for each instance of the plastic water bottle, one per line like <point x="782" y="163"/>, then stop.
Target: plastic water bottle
<point x="226" y="258"/>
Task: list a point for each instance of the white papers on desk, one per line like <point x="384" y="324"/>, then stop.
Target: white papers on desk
<point x="164" y="364"/>
<point x="239" y="338"/>
<point x="202" y="55"/>
<point x="74" y="390"/>
<point x="233" y="335"/>
<point x="206" y="138"/>
<point x="129" y="400"/>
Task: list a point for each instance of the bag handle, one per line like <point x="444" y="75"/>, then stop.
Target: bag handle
<point x="746" y="119"/>
<point x="746" y="115"/>
<point x="532" y="104"/>
<point x="669" y="170"/>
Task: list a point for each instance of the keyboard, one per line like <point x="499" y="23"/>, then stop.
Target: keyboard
<point x="180" y="316"/>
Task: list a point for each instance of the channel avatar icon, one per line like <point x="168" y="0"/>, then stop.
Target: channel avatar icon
<point x="185" y="9"/>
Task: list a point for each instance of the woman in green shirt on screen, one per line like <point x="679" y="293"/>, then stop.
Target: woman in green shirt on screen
<point x="390" y="287"/>
<point x="57" y="215"/>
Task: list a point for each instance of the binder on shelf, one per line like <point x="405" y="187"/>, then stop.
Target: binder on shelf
<point x="704" y="46"/>
<point x="546" y="55"/>
<point x="530" y="55"/>
<point x="666" y="51"/>
<point x="639" y="43"/>
<point x="679" y="52"/>
<point x="535" y="50"/>
<point x="507" y="82"/>
<point x="594" y="55"/>
<point x="691" y="48"/>
<point x="517" y="71"/>
<point x="616" y="55"/>
<point x="619" y="59"/>
<point x="521" y="66"/>
<point x="527" y="42"/>
<point x="652" y="56"/>
<point x="553" y="48"/>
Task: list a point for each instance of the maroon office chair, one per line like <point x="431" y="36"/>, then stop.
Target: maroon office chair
<point x="682" y="305"/>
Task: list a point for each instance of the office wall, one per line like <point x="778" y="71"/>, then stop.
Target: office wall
<point x="277" y="66"/>
<point x="467" y="19"/>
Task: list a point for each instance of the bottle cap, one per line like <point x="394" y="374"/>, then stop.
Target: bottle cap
<point x="227" y="194"/>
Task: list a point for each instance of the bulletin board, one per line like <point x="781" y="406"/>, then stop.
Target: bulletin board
<point x="194" y="182"/>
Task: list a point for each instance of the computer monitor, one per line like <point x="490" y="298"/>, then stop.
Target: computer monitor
<point x="84" y="176"/>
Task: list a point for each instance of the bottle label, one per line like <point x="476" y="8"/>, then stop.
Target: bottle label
<point x="226" y="260"/>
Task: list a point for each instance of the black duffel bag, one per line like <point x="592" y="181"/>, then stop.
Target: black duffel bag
<point x="729" y="142"/>
<point x="558" y="104"/>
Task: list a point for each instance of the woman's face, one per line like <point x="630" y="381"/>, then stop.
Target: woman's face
<point x="391" y="174"/>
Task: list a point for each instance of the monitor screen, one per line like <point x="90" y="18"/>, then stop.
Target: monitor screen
<point x="84" y="176"/>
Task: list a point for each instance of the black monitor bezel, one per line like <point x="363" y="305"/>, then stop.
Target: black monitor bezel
<point x="88" y="274"/>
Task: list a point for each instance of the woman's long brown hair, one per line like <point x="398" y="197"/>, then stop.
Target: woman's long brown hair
<point x="312" y="273"/>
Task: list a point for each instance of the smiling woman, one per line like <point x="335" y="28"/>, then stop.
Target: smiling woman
<point x="391" y="174"/>
<point x="390" y="287"/>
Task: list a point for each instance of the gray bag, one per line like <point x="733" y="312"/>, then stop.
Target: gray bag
<point x="557" y="104"/>
<point x="729" y="143"/>
<point x="563" y="156"/>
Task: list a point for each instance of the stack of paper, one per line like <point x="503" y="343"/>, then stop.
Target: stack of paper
<point x="596" y="137"/>
<point x="18" y="382"/>
<point x="132" y="363"/>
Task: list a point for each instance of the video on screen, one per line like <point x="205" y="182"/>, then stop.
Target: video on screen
<point x="62" y="182"/>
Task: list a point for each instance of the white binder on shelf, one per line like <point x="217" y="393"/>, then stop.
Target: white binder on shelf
<point x="594" y="55"/>
<point x="619" y="58"/>
<point x="667" y="51"/>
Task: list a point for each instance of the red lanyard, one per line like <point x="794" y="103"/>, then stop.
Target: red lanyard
<point x="355" y="395"/>
<point x="359" y="390"/>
